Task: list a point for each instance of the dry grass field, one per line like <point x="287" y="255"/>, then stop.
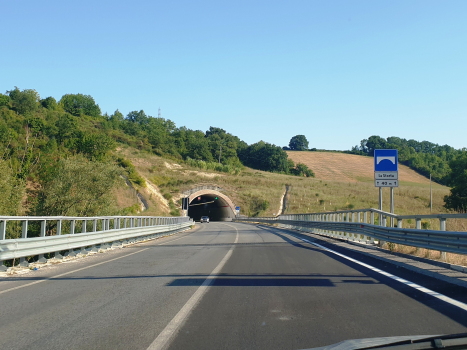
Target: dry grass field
<point x="348" y="167"/>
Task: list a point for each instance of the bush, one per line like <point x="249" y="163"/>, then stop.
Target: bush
<point x="79" y="188"/>
<point x="256" y="205"/>
<point x="426" y="225"/>
<point x="133" y="175"/>
<point x="224" y="168"/>
<point x="302" y="170"/>
<point x="12" y="190"/>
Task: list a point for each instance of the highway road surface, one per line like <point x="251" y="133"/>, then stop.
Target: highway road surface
<point x="222" y="286"/>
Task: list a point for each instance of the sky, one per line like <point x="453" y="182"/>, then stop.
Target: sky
<point x="334" y="71"/>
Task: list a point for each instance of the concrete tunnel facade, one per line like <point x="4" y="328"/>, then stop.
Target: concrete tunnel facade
<point x="210" y="203"/>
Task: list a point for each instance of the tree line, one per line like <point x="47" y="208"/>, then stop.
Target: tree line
<point x="46" y="141"/>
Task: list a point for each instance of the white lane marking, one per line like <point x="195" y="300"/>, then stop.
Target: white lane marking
<point x="83" y="268"/>
<point x="398" y="279"/>
<point x="167" y="333"/>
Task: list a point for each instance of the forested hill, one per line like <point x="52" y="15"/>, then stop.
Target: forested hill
<point x="424" y="157"/>
<point x="42" y="139"/>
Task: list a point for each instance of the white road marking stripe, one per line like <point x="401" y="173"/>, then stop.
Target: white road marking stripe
<point x="399" y="279"/>
<point x="83" y="268"/>
<point x="163" y="338"/>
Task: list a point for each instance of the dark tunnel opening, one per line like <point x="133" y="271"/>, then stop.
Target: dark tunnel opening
<point x="210" y="205"/>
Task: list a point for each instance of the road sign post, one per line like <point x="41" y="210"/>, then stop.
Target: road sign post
<point x="386" y="175"/>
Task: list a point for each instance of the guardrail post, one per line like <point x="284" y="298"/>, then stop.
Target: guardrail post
<point x="333" y="219"/>
<point x="94" y="225"/>
<point x="83" y="229"/>
<point x="372" y="218"/>
<point x="353" y="236"/>
<point x="43" y="228"/>
<point x="442" y="227"/>
<point x="59" y="227"/>
<point x="3" y="230"/>
<point x="24" y="231"/>
<point x="365" y="220"/>
<point x="24" y="234"/>
<point x="418" y="226"/>
<point x="399" y="223"/>
<point x="383" y="223"/>
<point x="72" y="227"/>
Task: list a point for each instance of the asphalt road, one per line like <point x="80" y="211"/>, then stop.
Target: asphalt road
<point x="220" y="286"/>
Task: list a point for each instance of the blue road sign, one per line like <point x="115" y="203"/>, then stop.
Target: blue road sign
<point x="386" y="160"/>
<point x="237" y="208"/>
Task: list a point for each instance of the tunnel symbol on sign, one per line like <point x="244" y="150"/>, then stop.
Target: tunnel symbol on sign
<point x="391" y="159"/>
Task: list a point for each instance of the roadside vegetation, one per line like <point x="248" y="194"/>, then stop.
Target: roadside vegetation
<point x="66" y="157"/>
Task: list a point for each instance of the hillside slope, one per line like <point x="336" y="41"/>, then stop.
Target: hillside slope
<point x="341" y="187"/>
<point x="348" y="167"/>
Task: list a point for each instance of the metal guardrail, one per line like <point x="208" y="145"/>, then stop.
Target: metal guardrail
<point x="49" y="236"/>
<point x="354" y="225"/>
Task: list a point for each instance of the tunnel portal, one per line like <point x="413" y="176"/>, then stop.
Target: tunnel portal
<point x="210" y="203"/>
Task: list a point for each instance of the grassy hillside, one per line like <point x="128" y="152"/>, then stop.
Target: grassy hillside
<point x="334" y="188"/>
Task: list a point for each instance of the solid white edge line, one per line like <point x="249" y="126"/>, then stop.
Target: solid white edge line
<point x="172" y="327"/>
<point x="437" y="295"/>
<point x="83" y="268"/>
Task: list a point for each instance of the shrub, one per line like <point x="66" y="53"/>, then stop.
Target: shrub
<point x="426" y="225"/>
<point x="133" y="175"/>
<point x="12" y="190"/>
<point x="79" y="188"/>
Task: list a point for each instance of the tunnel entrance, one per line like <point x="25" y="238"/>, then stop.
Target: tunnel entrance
<point x="210" y="203"/>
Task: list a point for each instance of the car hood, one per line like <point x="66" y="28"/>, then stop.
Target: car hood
<point x="354" y="344"/>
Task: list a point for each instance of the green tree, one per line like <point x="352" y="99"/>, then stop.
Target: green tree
<point x="116" y="119"/>
<point x="24" y="102"/>
<point x="79" y="187"/>
<point x="49" y="103"/>
<point x="298" y="143"/>
<point x="12" y="190"/>
<point x="67" y="127"/>
<point x="264" y="156"/>
<point x="4" y="100"/>
<point x="78" y="104"/>
<point x="457" y="198"/>
<point x="93" y="145"/>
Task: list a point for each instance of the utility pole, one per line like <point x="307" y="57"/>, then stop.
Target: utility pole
<point x="159" y="114"/>
<point x="431" y="197"/>
<point x="220" y="152"/>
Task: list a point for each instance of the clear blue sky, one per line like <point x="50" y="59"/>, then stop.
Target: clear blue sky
<point x="335" y="71"/>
